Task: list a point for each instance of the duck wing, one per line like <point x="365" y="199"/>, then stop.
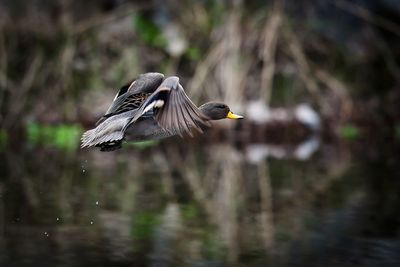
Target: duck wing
<point x="132" y="95"/>
<point x="111" y="130"/>
<point x="172" y="109"/>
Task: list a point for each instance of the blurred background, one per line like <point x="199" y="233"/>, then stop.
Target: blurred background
<point x="310" y="177"/>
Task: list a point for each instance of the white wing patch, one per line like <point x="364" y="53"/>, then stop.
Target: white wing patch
<point x="155" y="104"/>
<point x="159" y="103"/>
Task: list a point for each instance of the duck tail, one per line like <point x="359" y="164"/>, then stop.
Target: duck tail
<point x="101" y="136"/>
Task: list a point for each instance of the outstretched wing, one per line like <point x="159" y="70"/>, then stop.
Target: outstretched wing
<point x="173" y="109"/>
<point x="120" y="98"/>
<point x="132" y="95"/>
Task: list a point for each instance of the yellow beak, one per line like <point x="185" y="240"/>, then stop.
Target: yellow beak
<point x="233" y="116"/>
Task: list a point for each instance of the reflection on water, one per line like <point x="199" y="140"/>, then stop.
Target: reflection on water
<point x="256" y="153"/>
<point x="187" y="204"/>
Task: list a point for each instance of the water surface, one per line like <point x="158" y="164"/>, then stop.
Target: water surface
<point x="211" y="204"/>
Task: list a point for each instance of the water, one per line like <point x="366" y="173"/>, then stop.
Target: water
<point x="191" y="204"/>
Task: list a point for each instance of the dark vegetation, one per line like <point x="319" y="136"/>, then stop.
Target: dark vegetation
<point x="244" y="194"/>
<point x="63" y="60"/>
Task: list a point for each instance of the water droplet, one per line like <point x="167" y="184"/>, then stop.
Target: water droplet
<point x="91" y="222"/>
<point x="97" y="203"/>
<point x="83" y="168"/>
<point x="46" y="234"/>
<point x="58" y="219"/>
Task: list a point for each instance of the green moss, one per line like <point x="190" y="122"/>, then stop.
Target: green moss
<point x="212" y="247"/>
<point x="189" y="211"/>
<point x="142" y="228"/>
<point x="148" y="31"/>
<point x="193" y="53"/>
<point x="33" y="133"/>
<point x="63" y="137"/>
<point x="349" y="132"/>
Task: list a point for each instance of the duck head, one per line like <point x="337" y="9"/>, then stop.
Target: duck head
<point x="218" y="111"/>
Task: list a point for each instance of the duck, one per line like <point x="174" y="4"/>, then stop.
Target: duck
<point x="152" y="107"/>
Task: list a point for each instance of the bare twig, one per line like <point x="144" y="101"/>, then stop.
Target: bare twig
<point x="230" y="72"/>
<point x="387" y="54"/>
<point x="339" y="88"/>
<point x="98" y="21"/>
<point x="296" y="50"/>
<point x="312" y="76"/>
<point x="266" y="214"/>
<point x="229" y="64"/>
<point x="20" y="94"/>
<point x="270" y="39"/>
<point x="202" y="71"/>
<point x="366" y="15"/>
